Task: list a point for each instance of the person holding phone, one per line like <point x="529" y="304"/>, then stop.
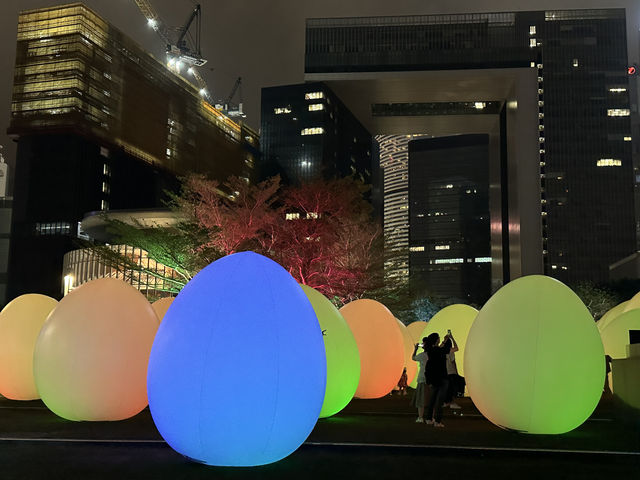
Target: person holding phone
<point x="456" y="382"/>
<point x="436" y="377"/>
<point x="420" y="394"/>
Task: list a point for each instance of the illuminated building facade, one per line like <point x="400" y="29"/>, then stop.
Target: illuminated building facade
<point x="449" y="233"/>
<point x="307" y="132"/>
<point x="100" y="124"/>
<point x="578" y="60"/>
<point x="394" y="166"/>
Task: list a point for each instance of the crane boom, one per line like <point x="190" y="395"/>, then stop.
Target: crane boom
<point x="154" y="21"/>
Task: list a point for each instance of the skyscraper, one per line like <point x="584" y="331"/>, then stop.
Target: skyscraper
<point x="307" y="132"/>
<point x="100" y="125"/>
<point x="449" y="233"/>
<point x="578" y="66"/>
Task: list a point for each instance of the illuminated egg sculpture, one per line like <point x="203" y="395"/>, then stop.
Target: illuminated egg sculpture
<point x="415" y="330"/>
<point x="380" y="345"/>
<point x="458" y="318"/>
<point x="161" y="306"/>
<point x="20" y="323"/>
<point x="343" y="359"/>
<point x="90" y="359"/>
<point x="633" y="304"/>
<point x="615" y="336"/>
<point x="534" y="361"/>
<point x="237" y="372"/>
<point x="409" y="364"/>
<point x="611" y="315"/>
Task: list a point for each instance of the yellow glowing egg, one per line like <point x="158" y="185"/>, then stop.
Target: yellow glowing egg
<point x="534" y="361"/>
<point x="611" y="315"/>
<point x="615" y="336"/>
<point x="90" y="359"/>
<point x="409" y="364"/>
<point x="20" y="323"/>
<point x="380" y="345"/>
<point x="161" y="306"/>
<point x="458" y="318"/>
<point x="632" y="304"/>
<point x="415" y="330"/>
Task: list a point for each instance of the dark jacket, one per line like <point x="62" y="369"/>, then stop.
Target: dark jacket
<point x="436" y="369"/>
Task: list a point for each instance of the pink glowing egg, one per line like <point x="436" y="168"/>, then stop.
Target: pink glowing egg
<point x="90" y="359"/>
<point x="380" y="345"/>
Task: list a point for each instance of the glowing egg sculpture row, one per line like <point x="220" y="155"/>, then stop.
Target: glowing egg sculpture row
<point x="90" y="358"/>
<point x="20" y="323"/>
<point x="237" y="372"/>
<point x="534" y="361"/>
<point x="380" y="344"/>
<point x="343" y="359"/>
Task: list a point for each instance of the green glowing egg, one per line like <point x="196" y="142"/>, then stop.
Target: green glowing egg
<point x="534" y="361"/>
<point x="611" y="315"/>
<point x="615" y="335"/>
<point x="343" y="359"/>
<point x="458" y="318"/>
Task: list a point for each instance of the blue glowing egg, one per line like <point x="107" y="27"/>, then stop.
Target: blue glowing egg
<point x="237" y="371"/>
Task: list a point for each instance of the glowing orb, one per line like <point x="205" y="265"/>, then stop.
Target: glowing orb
<point x="343" y="359"/>
<point x="611" y="315"/>
<point x="20" y="323"/>
<point x="632" y="304"/>
<point x="534" y="361"/>
<point x="161" y="306"/>
<point x="615" y="336"/>
<point x="237" y="372"/>
<point x="90" y="360"/>
<point x="415" y="330"/>
<point x="458" y="318"/>
<point x="380" y="345"/>
<point x="409" y="364"/>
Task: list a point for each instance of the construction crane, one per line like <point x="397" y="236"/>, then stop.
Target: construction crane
<point x="183" y="50"/>
<point x="233" y="110"/>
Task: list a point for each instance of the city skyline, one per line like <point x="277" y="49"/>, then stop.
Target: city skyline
<point x="262" y="43"/>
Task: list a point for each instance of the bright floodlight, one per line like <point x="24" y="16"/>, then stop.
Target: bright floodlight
<point x="203" y="92"/>
<point x="152" y="23"/>
<point x="190" y="71"/>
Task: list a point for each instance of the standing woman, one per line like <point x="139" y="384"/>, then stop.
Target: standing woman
<point x="420" y="395"/>
<point x="436" y="377"/>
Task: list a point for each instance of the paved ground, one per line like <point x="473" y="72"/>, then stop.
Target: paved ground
<point x="369" y="439"/>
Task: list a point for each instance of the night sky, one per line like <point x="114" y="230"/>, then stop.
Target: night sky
<point x="260" y="40"/>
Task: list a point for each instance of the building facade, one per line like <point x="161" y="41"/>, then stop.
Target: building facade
<point x="580" y="60"/>
<point x="100" y="124"/>
<point x="449" y="231"/>
<point x="394" y="167"/>
<point x="307" y="133"/>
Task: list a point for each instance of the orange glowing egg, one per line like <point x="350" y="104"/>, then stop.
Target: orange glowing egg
<point x="380" y="344"/>
<point x="161" y="306"/>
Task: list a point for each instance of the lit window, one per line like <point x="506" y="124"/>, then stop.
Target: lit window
<point x="416" y="249"/>
<point x="105" y="187"/>
<point x="618" y="112"/>
<point x="292" y="216"/>
<point x="533" y="64"/>
<point x="479" y="105"/>
<point x="314" y="107"/>
<point x="312" y="131"/>
<point x="532" y="42"/>
<point x="554" y="267"/>
<point x="627" y="139"/>
<point x="104" y="205"/>
<point x="448" y="260"/>
<point x="313" y="215"/>
<point x="281" y="110"/>
<point x="617" y="89"/>
<point x="576" y="63"/>
<point x="168" y="152"/>
<point x="609" y="162"/>
<point x="442" y="247"/>
<point x="483" y="259"/>
<point x="532" y="29"/>
<point x="106" y="170"/>
<point x="313" y="95"/>
<point x="449" y="185"/>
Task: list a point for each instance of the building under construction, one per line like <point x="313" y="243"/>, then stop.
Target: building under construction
<point x="100" y="124"/>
